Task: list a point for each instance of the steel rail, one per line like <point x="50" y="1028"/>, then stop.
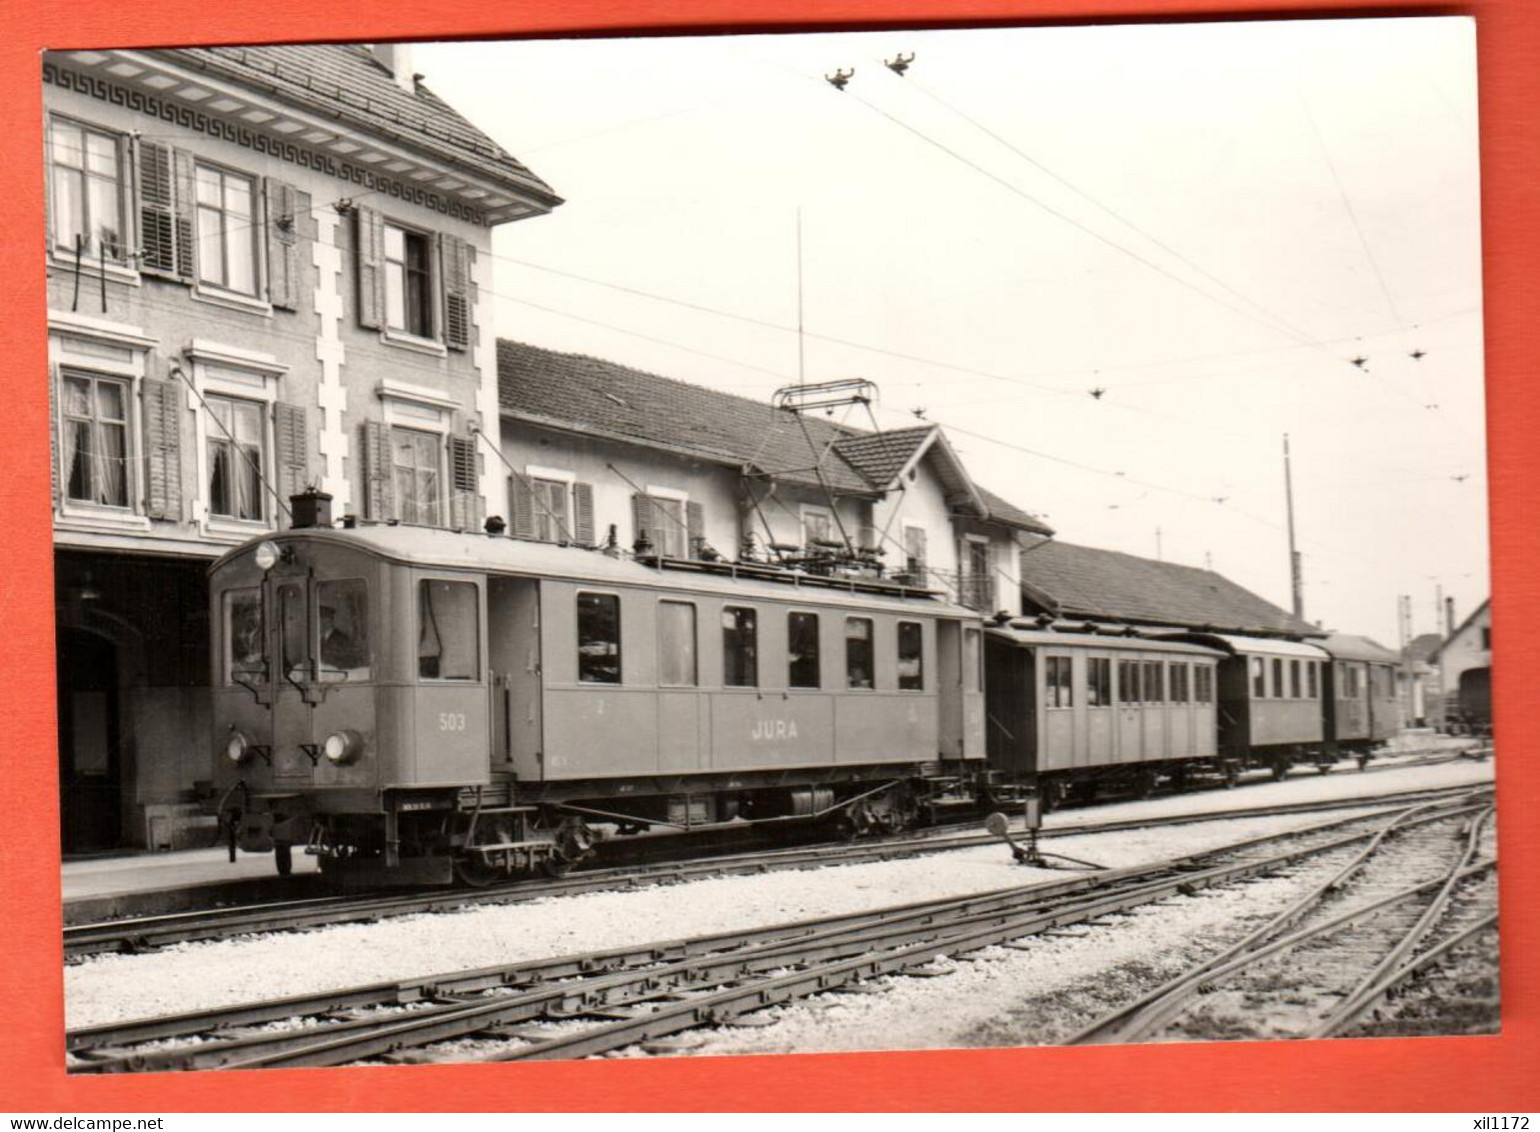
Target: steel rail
<point x="1431" y="955"/>
<point x="1363" y="994"/>
<point x="1154" y="1009"/>
<point x="143" y="933"/>
<point x="1022" y="909"/>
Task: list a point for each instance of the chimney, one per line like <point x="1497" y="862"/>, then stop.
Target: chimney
<point x="1449" y="616"/>
<point x="311" y="508"/>
<point x="397" y="59"/>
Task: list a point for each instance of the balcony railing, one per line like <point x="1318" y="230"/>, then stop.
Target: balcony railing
<point x="973" y="590"/>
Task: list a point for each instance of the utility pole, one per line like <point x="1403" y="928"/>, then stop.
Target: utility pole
<point x="1438" y="609"/>
<point x="1296" y="579"/>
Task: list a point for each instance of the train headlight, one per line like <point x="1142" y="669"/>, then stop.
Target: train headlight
<point x="342" y="747"/>
<point x="237" y="750"/>
<point x="268" y="554"/>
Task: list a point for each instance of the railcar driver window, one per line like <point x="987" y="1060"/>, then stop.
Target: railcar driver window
<point x="448" y="631"/>
<point x="802" y="650"/>
<point x="343" y="608"/>
<point x="245" y="650"/>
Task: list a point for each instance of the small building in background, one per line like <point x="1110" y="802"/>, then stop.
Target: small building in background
<point x="1464" y="663"/>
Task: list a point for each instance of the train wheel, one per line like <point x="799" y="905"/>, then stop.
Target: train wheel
<point x="555" y="867"/>
<point x="474" y="872"/>
<point x="1323" y="768"/>
<point x="283" y="857"/>
<point x="1144" y="785"/>
<point x="1232" y="775"/>
<point x="1280" y="771"/>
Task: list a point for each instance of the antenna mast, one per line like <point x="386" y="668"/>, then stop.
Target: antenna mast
<point x="1296" y="577"/>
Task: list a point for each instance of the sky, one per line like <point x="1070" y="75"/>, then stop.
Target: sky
<point x="1204" y="223"/>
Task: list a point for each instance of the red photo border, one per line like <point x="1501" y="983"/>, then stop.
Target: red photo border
<point x="1428" y="1074"/>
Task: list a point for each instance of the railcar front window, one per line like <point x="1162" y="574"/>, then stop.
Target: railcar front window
<point x="911" y="656"/>
<point x="1278" y="692"/>
<point x="858" y="652"/>
<point x="598" y="644"/>
<point x="1312" y="679"/>
<point x="245" y="649"/>
<point x="676" y="645"/>
<point x="294" y="624"/>
<point x="343" y="607"/>
<point x="1294" y="686"/>
<point x="802" y="650"/>
<point x="740" y="647"/>
<point x="448" y="631"/>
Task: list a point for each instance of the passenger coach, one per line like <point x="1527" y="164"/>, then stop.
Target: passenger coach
<point x="1069" y="707"/>
<point x="407" y="698"/>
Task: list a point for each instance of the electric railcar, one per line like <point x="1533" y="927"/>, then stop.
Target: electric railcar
<point x="408" y="701"/>
<point x="411" y="703"/>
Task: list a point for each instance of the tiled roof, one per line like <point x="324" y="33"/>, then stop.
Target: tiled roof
<point x="348" y="81"/>
<point x="1085" y="582"/>
<point x="1422" y="647"/>
<point x="1352" y="646"/>
<point x="608" y="399"/>
<point x="880" y="456"/>
<point x="1007" y="513"/>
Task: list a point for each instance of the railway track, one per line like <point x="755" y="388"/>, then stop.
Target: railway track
<point x="1315" y="969"/>
<point x="583" y="1005"/>
<point x="149" y="932"/>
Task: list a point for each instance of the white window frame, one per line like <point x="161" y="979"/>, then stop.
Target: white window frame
<point x="206" y="291"/>
<point x="244" y="375"/>
<point x="673" y="495"/>
<point x="418" y="408"/>
<point x="108" y="349"/>
<point x="904" y="530"/>
<point x="816" y="511"/>
<point x="126" y="272"/>
<point x="534" y="472"/>
<point x="432" y="342"/>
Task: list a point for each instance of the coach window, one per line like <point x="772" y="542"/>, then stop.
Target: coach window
<point x="448" y="631"/>
<point x="1312" y="680"/>
<point x="676" y="645"/>
<point x="1296" y="689"/>
<point x="343" y="607"/>
<point x="802" y="650"/>
<point x="740" y="647"/>
<point x="1179" y="684"/>
<point x="245" y="649"/>
<point x="1154" y="682"/>
<point x="598" y="638"/>
<point x="1203" y="684"/>
<point x="1098" y="681"/>
<point x="858" y="652"/>
<point x="1258" y="677"/>
<point x="1277" y="689"/>
<point x="911" y="657"/>
<point x="1128" y="681"/>
<point x="1057" y="687"/>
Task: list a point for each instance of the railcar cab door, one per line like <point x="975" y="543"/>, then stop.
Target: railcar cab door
<point x="449" y="721"/>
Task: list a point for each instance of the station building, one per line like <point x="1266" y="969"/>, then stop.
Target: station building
<point x="1464" y="666"/>
<point x="598" y="453"/>
<point x="268" y="269"/>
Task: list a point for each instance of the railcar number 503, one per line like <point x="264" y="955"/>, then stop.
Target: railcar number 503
<point x="451" y="721"/>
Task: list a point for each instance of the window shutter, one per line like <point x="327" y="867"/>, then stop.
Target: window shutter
<point x="465" y="501"/>
<point x="162" y="450"/>
<point x="371" y="268"/>
<point x="695" y="522"/>
<point x="186" y="197"/>
<point x="157" y="210"/>
<point x="282" y="243"/>
<point x="378" y="496"/>
<point x="289" y="429"/>
<point x="583" y="513"/>
<point x="53" y="432"/>
<point x="523" y="508"/>
<point x="642" y="521"/>
<point x="454" y="257"/>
